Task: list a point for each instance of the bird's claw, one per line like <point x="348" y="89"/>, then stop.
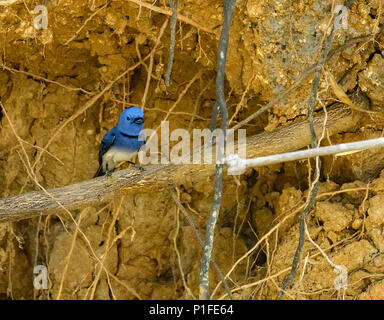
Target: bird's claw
<point x="139" y="167"/>
<point x="108" y="173"/>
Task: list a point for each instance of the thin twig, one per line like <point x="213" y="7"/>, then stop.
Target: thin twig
<point x="249" y="285"/>
<point x="69" y="255"/>
<point x="35" y="76"/>
<point x="229" y="7"/>
<point x="112" y="226"/>
<point x="169" y="13"/>
<point x="240" y="104"/>
<point x="235" y="162"/>
<point x="197" y="235"/>
<point x="341" y="280"/>
<point x="85" y="22"/>
<point x="304" y="76"/>
<point x="316" y="184"/>
<point x="179" y="98"/>
<point x="197" y="103"/>
<point x="174" y="240"/>
<point x="151" y="61"/>
<point x="172" y="43"/>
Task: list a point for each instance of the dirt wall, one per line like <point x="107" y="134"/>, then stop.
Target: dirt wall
<point x="140" y="245"/>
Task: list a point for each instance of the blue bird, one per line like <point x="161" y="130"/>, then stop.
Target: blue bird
<point x="122" y="142"/>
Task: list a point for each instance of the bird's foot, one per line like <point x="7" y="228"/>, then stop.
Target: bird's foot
<point x="139" y="167"/>
<point x="108" y="173"/>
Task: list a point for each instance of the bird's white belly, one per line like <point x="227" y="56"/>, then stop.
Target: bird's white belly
<point x="113" y="156"/>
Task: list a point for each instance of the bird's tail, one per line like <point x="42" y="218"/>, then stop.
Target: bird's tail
<point x="99" y="172"/>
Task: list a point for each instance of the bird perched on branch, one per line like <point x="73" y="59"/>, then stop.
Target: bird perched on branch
<point x="122" y="142"/>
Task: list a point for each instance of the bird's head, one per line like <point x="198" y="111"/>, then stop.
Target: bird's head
<point x="131" y="121"/>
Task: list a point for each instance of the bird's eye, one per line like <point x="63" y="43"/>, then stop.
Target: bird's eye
<point x="128" y="118"/>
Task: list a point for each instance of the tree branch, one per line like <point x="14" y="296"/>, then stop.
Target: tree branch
<point x="102" y="189"/>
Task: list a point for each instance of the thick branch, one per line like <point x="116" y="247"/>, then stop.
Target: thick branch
<point x="91" y="192"/>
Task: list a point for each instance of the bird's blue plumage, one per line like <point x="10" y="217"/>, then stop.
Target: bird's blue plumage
<point x="106" y="143"/>
<point x="122" y="142"/>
